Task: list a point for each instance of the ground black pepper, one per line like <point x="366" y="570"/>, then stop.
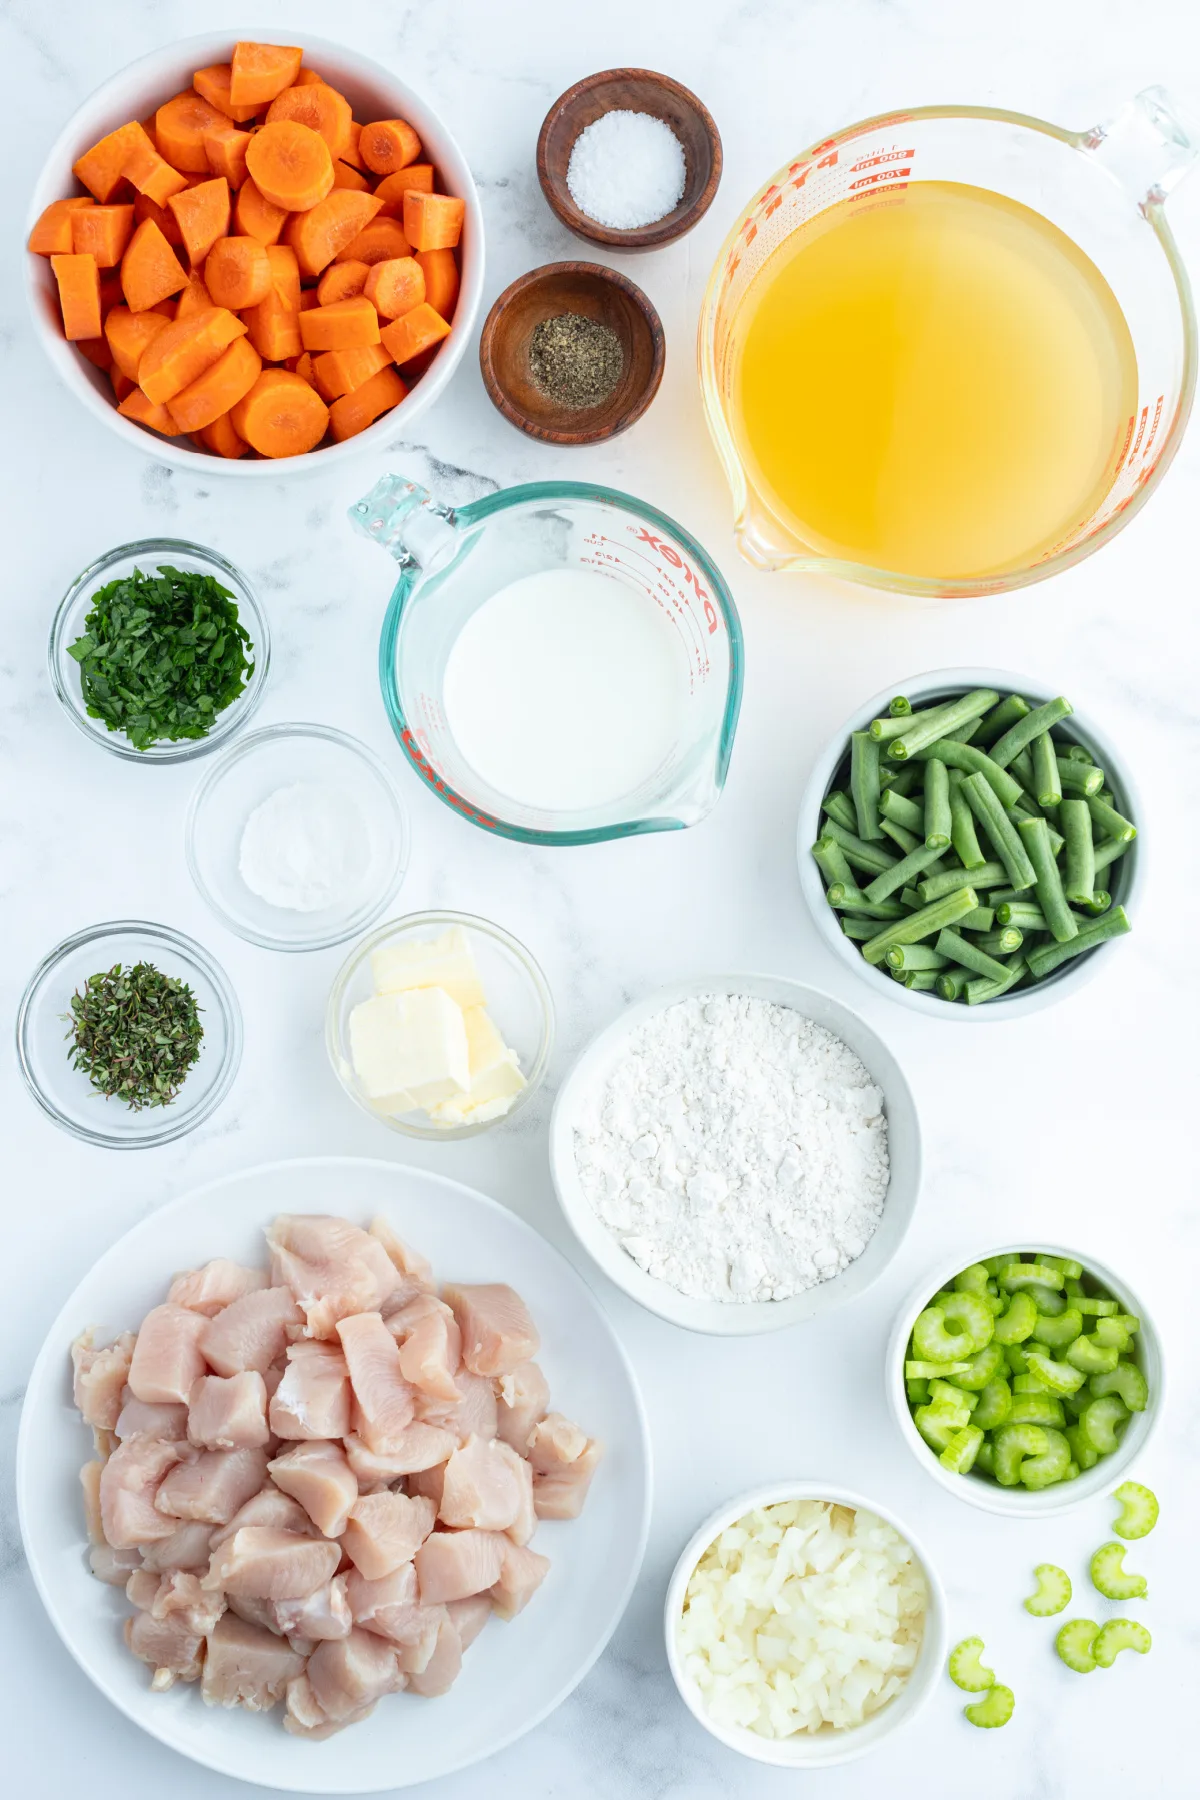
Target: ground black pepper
<point x="575" y="361"/>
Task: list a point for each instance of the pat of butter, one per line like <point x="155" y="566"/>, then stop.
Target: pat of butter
<point x="495" y="1075"/>
<point x="409" y="1049"/>
<point x="444" y="962"/>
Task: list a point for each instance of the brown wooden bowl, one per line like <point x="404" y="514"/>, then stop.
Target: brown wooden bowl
<point x="634" y="90"/>
<point x="600" y="294"/>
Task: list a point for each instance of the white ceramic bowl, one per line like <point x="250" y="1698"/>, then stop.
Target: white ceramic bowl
<point x="134" y="93"/>
<point x="721" y="1318"/>
<point x="815" y="1749"/>
<point x="980" y="1490"/>
<point x="1123" y="877"/>
<point x="517" y="1673"/>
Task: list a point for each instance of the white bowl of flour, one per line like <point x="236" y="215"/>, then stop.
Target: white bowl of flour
<point x="738" y="1153"/>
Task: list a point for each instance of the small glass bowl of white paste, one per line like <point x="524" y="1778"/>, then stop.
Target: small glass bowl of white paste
<point x="296" y="837"/>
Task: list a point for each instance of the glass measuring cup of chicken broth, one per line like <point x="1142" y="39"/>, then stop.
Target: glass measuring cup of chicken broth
<point x="560" y="662"/>
<point x="952" y="351"/>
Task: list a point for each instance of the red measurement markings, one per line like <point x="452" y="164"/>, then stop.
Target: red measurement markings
<point x="1154" y="426"/>
<point x="670" y="555"/>
<point x="408" y="739"/>
<point x="1124" y="448"/>
<point x="1137" y="442"/>
<point x="882" y="156"/>
<point x="866" y="181"/>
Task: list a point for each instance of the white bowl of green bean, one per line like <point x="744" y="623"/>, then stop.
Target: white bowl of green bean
<point x="1129" y="1434"/>
<point x="1009" y="918"/>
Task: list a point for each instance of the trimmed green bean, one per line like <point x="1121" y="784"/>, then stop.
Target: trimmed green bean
<point x="937" y="804"/>
<point x="1047" y="787"/>
<point x="1098" y="903"/>
<point x="910" y="897"/>
<point x="1022" y="768"/>
<point x="900" y="778"/>
<point x="982" y="919"/>
<point x="1108" y="851"/>
<point x="864" y="783"/>
<point x="899" y="706"/>
<point x="1080" y="879"/>
<point x="1022" y="914"/>
<point x="1025" y="730"/>
<point x="885" y="729"/>
<point x="901" y="811"/>
<point x="951" y="984"/>
<point x="1049" y="956"/>
<point x="904" y="839"/>
<point x="1000" y="943"/>
<point x="962" y="951"/>
<point x="859" y="926"/>
<point x="1035" y="835"/>
<point x="994" y="724"/>
<point x="844" y="898"/>
<point x="915" y="956"/>
<point x="869" y="857"/>
<point x="1000" y="829"/>
<point x="1112" y="823"/>
<point x="900" y="873"/>
<point x="973" y="762"/>
<point x="962" y="827"/>
<point x="920" y="981"/>
<point x="927" y="727"/>
<point x="1079" y="777"/>
<point x="830" y="858"/>
<point x="989" y="874"/>
<point x="1018" y="814"/>
<point x="981" y="988"/>
<point x="922" y="924"/>
<point x="840" y="808"/>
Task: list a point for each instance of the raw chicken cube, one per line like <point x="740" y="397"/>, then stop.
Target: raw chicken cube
<point x="272" y="1508"/>
<point x="451" y="1565"/>
<point x="169" y="1646"/>
<point x="391" y="1606"/>
<point x="523" y="1398"/>
<point x="168" y="1357"/>
<point x="482" y="1486"/>
<point x="431" y="1482"/>
<point x="414" y="1657"/>
<point x="560" y="1490"/>
<point x="141" y="1590"/>
<point x="128" y="1484"/>
<point x="319" y="1477"/>
<point x="384" y="1531"/>
<point x="166" y="1421"/>
<point x="305" y="1717"/>
<point x="313" y="1398"/>
<point x="430" y="1352"/>
<point x="246" y="1666"/>
<point x="100" y="1378"/>
<point x="383" y="1400"/>
<point x="229" y="1412"/>
<point x="522" y="1573"/>
<point x="555" y="1440"/>
<point x="407" y="1261"/>
<point x="263" y="1563"/>
<point x="212" y="1486"/>
<point x="333" y="1268"/>
<point x="178" y="1593"/>
<point x="497" y="1331"/>
<point x="217" y="1284"/>
<point x="187" y="1548"/>
<point x="325" y="1613"/>
<point x="89" y="1479"/>
<point x="470" y="1616"/>
<point x="352" y="1672"/>
<point x="113" y="1567"/>
<point x="474" y="1414"/>
<point x="250" y="1333"/>
<point x="443" y="1667"/>
<point x="420" y="1447"/>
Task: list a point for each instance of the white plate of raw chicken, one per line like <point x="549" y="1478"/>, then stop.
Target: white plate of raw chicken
<point x="519" y="1669"/>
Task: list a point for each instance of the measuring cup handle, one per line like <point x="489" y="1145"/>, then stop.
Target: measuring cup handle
<point x="405" y="519"/>
<point x="1148" y="146"/>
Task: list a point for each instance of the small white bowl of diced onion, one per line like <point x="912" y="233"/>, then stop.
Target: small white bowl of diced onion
<point x="440" y="1025"/>
<point x="749" y="1670"/>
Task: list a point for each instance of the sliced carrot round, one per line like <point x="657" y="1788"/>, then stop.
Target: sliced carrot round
<point x="237" y="273"/>
<point x="388" y="145"/>
<point x="217" y="388"/>
<point x="290" y="165"/>
<point x="341" y="280"/>
<point x="281" y="415"/>
<point x="395" y="286"/>
<point x="321" y="108"/>
<point x="212" y="84"/>
<point x="179" y="128"/>
<point x="222" y="439"/>
<point x="376" y="242"/>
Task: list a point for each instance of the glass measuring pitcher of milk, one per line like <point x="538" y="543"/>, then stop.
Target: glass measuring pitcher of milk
<point x="952" y="351"/>
<point x="560" y="662"/>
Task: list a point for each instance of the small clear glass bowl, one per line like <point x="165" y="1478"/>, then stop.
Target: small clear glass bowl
<point x="249" y="772"/>
<point x="69" y="625"/>
<point x="66" y="1094"/>
<point x="518" y="999"/>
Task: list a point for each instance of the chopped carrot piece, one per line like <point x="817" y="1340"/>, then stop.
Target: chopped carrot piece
<point x="129" y="334"/>
<point x="376" y="242"/>
<point x="354" y="412"/>
<point x="340" y="280"/>
<point x="290" y="164"/>
<point x="195" y="297"/>
<point x="406" y="337"/>
<point x="350" y="153"/>
<point x="257" y="217"/>
<point x="260" y="71"/>
<point x="96" y="350"/>
<point x="285" y="275"/>
<point x="101" y="168"/>
<point x="225" y="148"/>
<point x="302" y="365"/>
<point x="346" y="177"/>
<point x="441" y="280"/>
<point x="343" y="326"/>
<point x="218" y="389"/>
<point x="149" y="172"/>
<point x="318" y="106"/>
<point x="144" y="208"/>
<point x="142" y="411"/>
<point x="392" y="189"/>
<point x="433" y="221"/>
<point x="338" y="372"/>
<point x="395" y="287"/>
<point x="51" y="236"/>
<point x="176" y="356"/>
<point x="102" y="232"/>
<point x="238" y="273"/>
<point x="318" y="234"/>
<point x="212" y="84"/>
<point x="388" y="145"/>
<point x="204" y="213"/>
<point x="121" y="384"/>
<point x="78" y="280"/>
<point x="274" y="324"/>
<point x="281" y="415"/>
<point x="223" y="440"/>
<point x="307" y="78"/>
<point x="179" y="128"/>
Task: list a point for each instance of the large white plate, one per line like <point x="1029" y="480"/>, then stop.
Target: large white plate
<point x="517" y="1673"/>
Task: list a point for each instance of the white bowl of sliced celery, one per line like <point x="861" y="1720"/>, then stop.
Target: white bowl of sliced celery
<point x="1026" y="1381"/>
<point x="968" y="843"/>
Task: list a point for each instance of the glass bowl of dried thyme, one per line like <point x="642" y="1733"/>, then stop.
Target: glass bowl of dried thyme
<point x="128" y="1034"/>
<point x="159" y="651"/>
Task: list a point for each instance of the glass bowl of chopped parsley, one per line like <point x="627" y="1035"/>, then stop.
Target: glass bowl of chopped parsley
<point x="128" y="1034"/>
<point x="159" y="651"/>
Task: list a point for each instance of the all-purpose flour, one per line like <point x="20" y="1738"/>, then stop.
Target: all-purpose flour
<point x="737" y="1150"/>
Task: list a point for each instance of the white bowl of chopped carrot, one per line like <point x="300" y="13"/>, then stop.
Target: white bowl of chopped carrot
<point x="243" y="252"/>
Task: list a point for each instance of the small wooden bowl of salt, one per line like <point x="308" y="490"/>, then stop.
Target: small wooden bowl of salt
<point x="629" y="159"/>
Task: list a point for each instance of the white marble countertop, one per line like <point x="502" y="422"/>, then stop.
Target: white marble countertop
<point x="1073" y="1123"/>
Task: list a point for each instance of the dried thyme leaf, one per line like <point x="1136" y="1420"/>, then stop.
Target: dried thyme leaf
<point x="135" y="1033"/>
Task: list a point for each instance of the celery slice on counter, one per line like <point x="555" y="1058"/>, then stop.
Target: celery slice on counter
<point x="1053" y="1591"/>
<point x="1111" y="1579"/>
<point x="994" y="1710"/>
<point x="965" y="1669"/>
<point x="1139" y="1510"/>
<point x="1118" y="1635"/>
<point x="1075" y="1642"/>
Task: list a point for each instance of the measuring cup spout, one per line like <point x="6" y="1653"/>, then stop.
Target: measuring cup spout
<point x="407" y="521"/>
<point x="1148" y="146"/>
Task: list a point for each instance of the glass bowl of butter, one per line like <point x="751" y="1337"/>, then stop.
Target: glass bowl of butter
<point x="440" y="1024"/>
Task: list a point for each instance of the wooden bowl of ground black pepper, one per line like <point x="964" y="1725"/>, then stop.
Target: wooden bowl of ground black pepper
<point x="572" y="353"/>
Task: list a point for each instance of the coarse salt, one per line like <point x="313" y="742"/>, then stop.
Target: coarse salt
<point x="627" y="169"/>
